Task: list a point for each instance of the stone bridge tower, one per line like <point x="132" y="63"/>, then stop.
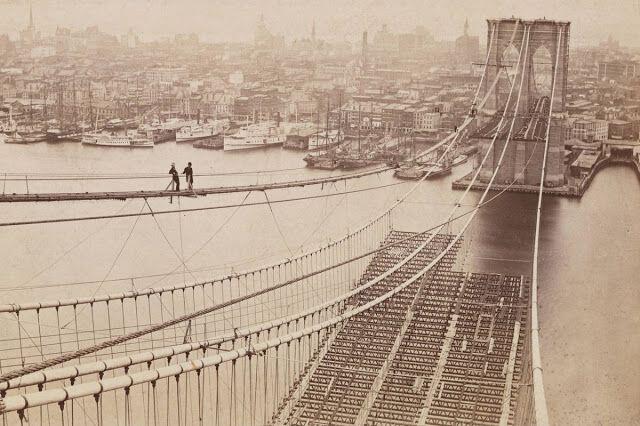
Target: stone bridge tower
<point x="523" y="159"/>
<point x="540" y="63"/>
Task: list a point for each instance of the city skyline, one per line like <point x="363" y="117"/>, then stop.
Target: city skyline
<point x="371" y="212"/>
<point x="158" y="19"/>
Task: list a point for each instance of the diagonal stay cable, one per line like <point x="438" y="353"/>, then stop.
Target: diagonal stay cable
<point x="272" y="324"/>
<point x="474" y="209"/>
<point x="70" y="249"/>
<point x="164" y="235"/>
<point x="322" y="222"/>
<point x="203" y="245"/>
<point x="182" y="260"/>
<point x="113" y="264"/>
<point x="195" y="209"/>
<point x="275" y="220"/>
<point x="121" y="339"/>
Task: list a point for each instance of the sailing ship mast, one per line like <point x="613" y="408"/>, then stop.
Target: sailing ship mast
<point x="326" y="128"/>
<point x="60" y="104"/>
<point x="318" y="125"/>
<point x="359" y="126"/>
<point x="90" y="103"/>
<point x="339" y="116"/>
<point x="75" y="118"/>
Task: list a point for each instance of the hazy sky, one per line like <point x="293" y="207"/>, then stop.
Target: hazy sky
<point x="220" y="20"/>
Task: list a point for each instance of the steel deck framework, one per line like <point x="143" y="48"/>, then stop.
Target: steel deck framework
<point x="447" y="350"/>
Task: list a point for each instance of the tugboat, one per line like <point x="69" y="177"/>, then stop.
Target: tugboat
<point x="201" y="131"/>
<point x="417" y="171"/>
<point x="132" y="139"/>
<point x="74" y="133"/>
<point x="328" y="163"/>
<point x="354" y="163"/>
<point x="26" y="135"/>
<point x="260" y="135"/>
<point x="312" y="160"/>
<point x="214" y="142"/>
<point x="460" y="159"/>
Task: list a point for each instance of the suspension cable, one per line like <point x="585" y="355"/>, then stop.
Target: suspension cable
<point x="540" y="403"/>
<point x="139" y="333"/>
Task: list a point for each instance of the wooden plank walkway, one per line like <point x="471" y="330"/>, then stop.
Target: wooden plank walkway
<point x="123" y="195"/>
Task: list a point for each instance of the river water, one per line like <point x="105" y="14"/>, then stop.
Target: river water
<point x="590" y="249"/>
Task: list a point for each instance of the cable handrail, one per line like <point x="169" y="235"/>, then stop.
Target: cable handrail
<point x="151" y="193"/>
<point x="19" y="176"/>
<point x="121" y="339"/>
<point x="100" y="366"/>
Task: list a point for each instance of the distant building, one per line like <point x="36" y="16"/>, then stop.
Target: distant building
<point x="258" y="107"/>
<point x="186" y="40"/>
<point x="365" y="51"/>
<point x="167" y="75"/>
<point x="427" y="119"/>
<point x="236" y="77"/>
<point x="129" y="40"/>
<point x="264" y="40"/>
<point x="62" y="40"/>
<point x="223" y="105"/>
<point x="29" y="35"/>
<point x="366" y="115"/>
<point x="42" y="51"/>
<point x="467" y="48"/>
<point x="406" y="45"/>
<point x="620" y="129"/>
<point x="618" y="70"/>
<point x="587" y="130"/>
<point x="6" y="45"/>
<point x="398" y="117"/>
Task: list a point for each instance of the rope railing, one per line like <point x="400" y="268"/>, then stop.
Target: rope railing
<point x="20" y="176"/>
<point x="147" y="292"/>
<point x="37" y="378"/>
<point x="458" y="236"/>
<point x="122" y="195"/>
<point x="312" y="279"/>
<point x="297" y="352"/>
<point x="450" y="139"/>
<point x="300" y="346"/>
<point x="182" y="318"/>
<point x="384" y="217"/>
<point x="17" y="307"/>
<point x="128" y="380"/>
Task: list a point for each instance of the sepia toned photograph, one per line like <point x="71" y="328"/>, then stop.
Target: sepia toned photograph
<point x="319" y="212"/>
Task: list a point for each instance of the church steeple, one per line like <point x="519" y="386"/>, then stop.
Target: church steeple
<point x="30" y="15"/>
<point x="466" y="27"/>
<point x="313" y="31"/>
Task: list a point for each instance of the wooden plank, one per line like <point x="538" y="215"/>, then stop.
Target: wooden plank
<point x="123" y="195"/>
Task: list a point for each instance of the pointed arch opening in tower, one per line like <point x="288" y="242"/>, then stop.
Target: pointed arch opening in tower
<point x="510" y="61"/>
<point x="542" y="71"/>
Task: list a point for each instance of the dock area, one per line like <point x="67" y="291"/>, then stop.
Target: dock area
<point x="578" y="175"/>
<point x="561" y="191"/>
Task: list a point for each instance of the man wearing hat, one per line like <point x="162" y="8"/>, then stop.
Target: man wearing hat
<point x="176" y="178"/>
<point x="188" y="172"/>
